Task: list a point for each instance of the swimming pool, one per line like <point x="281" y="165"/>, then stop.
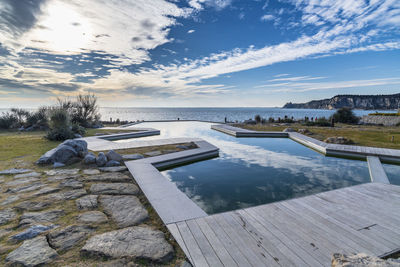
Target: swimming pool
<point x="254" y="171"/>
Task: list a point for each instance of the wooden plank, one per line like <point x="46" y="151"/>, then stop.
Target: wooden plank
<point x="173" y="229"/>
<point x="232" y="249"/>
<point x="192" y="246"/>
<point x="376" y="171"/>
<point x="276" y="248"/>
<point x="203" y="243"/>
<point x="216" y="244"/>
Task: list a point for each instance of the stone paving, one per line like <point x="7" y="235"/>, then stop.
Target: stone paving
<point x="71" y="216"/>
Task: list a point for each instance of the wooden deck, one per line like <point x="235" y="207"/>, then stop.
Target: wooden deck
<point x="298" y="232"/>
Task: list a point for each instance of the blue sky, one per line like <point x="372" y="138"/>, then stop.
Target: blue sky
<point x="197" y="52"/>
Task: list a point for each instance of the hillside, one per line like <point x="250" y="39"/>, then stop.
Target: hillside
<point x="352" y="101"/>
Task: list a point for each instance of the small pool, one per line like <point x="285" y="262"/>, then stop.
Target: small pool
<point x="254" y="171"/>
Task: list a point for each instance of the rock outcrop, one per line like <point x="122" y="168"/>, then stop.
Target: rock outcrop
<point x="68" y="152"/>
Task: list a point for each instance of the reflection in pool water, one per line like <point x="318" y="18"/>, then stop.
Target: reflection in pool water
<point x="254" y="171"/>
<point x="393" y="173"/>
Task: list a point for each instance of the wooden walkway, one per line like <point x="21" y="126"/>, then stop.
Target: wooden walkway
<point x="298" y="232"/>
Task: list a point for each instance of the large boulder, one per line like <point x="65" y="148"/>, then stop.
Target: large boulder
<point x="68" y="152"/>
<point x="131" y="243"/>
<point x="33" y="252"/>
<point x="90" y="158"/>
<point x="112" y="155"/>
<point x="101" y="159"/>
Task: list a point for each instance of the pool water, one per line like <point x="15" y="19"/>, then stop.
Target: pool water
<point x="254" y="171"/>
<point x="393" y="173"/>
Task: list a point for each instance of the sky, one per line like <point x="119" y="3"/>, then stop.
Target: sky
<point x="197" y="53"/>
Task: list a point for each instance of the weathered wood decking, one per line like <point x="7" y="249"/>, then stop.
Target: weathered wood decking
<point x="298" y="232"/>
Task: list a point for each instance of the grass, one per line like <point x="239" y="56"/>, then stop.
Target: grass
<point x="362" y="135"/>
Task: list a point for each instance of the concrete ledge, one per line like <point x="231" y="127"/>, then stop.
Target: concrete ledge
<point x="376" y="171"/>
<point x="171" y="204"/>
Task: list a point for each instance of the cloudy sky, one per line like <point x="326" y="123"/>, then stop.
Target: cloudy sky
<point x="197" y="52"/>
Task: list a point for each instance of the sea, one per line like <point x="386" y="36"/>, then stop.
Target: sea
<point x="212" y="114"/>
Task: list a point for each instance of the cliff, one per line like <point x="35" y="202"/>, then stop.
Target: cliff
<point x="381" y="102"/>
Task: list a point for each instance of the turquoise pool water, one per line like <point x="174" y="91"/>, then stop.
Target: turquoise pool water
<point x="254" y="171"/>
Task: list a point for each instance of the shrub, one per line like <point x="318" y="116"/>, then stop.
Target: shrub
<point x="38" y="118"/>
<point x="257" y="118"/>
<point x="83" y="111"/>
<point x="60" y="125"/>
<point x="21" y="115"/>
<point x="77" y="129"/>
<point x="345" y="115"/>
<point x="318" y="122"/>
<point x="8" y="120"/>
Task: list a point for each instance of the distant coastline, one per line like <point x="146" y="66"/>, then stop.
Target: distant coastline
<point x="363" y="102"/>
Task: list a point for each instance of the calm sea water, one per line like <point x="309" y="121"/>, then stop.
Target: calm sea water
<point x="253" y="171"/>
<point x="211" y="114"/>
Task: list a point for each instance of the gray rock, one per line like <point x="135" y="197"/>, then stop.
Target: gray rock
<point x="25" y="188"/>
<point x="101" y="159"/>
<point x="67" y="152"/>
<point x="30" y="218"/>
<point x="132" y="156"/>
<point x="362" y="260"/>
<point x="7" y="215"/>
<point x="5" y="232"/>
<point x="63" y="154"/>
<point x="33" y="252"/>
<point x="46" y="190"/>
<point x="289" y="130"/>
<point x="31" y="232"/>
<point x="114" y="177"/>
<point x="125" y="210"/>
<point x="338" y="140"/>
<point x="57" y="178"/>
<point x="119" y="263"/>
<point x="32" y="205"/>
<point x="92" y="217"/>
<point x="77" y="136"/>
<point x="71" y="183"/>
<point x="63" y="172"/>
<point x="27" y="175"/>
<point x="10" y="199"/>
<point x="68" y="195"/>
<point x="88" y="202"/>
<point x="22" y="181"/>
<point x="90" y="158"/>
<point x="153" y="153"/>
<point x="113" y="163"/>
<point x="113" y="169"/>
<point x="91" y="171"/>
<point x="80" y="146"/>
<point x="58" y="165"/>
<point x="14" y="171"/>
<point x="67" y="238"/>
<point x="112" y="155"/>
<point x="114" y="189"/>
<point x="131" y="243"/>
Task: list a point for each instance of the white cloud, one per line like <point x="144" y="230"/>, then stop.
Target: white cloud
<point x="191" y="31"/>
<point x="267" y="17"/>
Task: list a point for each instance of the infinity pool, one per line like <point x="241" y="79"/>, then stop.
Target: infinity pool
<point x="254" y="171"/>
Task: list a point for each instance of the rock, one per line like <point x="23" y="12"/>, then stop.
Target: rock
<point x="31" y="232"/>
<point x="7" y="215"/>
<point x="2" y="179"/>
<point x="33" y="252"/>
<point x="80" y="146"/>
<point x="77" y="136"/>
<point x="132" y="156"/>
<point x="91" y="171"/>
<point x="65" y="172"/>
<point x="92" y="217"/>
<point x="118" y="263"/>
<point x="46" y="190"/>
<point x="58" y="165"/>
<point x="112" y="155"/>
<point x="130" y="243"/>
<point x="25" y="188"/>
<point x="362" y="260"/>
<point x="67" y="238"/>
<point x="113" y="169"/>
<point x="90" y="158"/>
<point x="289" y="130"/>
<point x="67" y="152"/>
<point x="114" y="189"/>
<point x="88" y="202"/>
<point x="114" y="177"/>
<point x="61" y="177"/>
<point x="4" y="232"/>
<point x="71" y="183"/>
<point x="14" y="171"/>
<point x="153" y="153"/>
<point x="27" y="175"/>
<point x="30" y="218"/>
<point x="32" y="205"/>
<point x="101" y="159"/>
<point x="303" y="131"/>
<point x="10" y="199"/>
<point x="125" y="210"/>
<point x="113" y="163"/>
<point x="22" y="181"/>
<point x="338" y="140"/>
<point x="68" y="195"/>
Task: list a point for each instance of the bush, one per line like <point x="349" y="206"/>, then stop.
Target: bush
<point x="8" y="120"/>
<point x="384" y="114"/>
<point x="318" y="122"/>
<point x="60" y="125"/>
<point x="21" y="115"/>
<point x="84" y="111"/>
<point x="345" y="115"/>
<point x="257" y="118"/>
<point x="77" y="129"/>
<point x="38" y="118"/>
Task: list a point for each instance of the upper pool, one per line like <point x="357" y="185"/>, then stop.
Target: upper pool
<point x="254" y="171"/>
